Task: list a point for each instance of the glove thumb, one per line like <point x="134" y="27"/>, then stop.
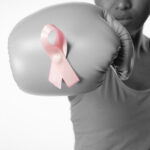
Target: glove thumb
<point x="123" y="64"/>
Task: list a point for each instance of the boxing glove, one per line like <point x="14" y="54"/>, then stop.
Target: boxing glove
<point x="94" y="42"/>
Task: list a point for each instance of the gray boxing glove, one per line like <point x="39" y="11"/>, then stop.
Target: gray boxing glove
<point x="95" y="41"/>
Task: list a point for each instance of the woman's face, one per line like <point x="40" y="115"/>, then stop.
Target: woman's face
<point x="130" y="13"/>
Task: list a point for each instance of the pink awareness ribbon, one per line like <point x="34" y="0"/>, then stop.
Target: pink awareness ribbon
<point x="60" y="67"/>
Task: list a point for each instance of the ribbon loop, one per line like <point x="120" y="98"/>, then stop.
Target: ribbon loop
<point x="60" y="67"/>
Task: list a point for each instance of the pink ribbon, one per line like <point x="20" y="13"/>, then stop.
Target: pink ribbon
<point x="60" y="68"/>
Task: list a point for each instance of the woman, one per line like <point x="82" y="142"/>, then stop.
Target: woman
<point x="116" y="116"/>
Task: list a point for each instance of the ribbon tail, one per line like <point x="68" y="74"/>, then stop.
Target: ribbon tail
<point x="68" y="75"/>
<point x="54" y="76"/>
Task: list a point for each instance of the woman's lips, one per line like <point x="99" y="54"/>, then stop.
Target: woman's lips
<point x="124" y="20"/>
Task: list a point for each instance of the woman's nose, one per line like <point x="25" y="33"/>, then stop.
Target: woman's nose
<point x="123" y="4"/>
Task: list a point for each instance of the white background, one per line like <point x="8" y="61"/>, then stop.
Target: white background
<point x="29" y="122"/>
